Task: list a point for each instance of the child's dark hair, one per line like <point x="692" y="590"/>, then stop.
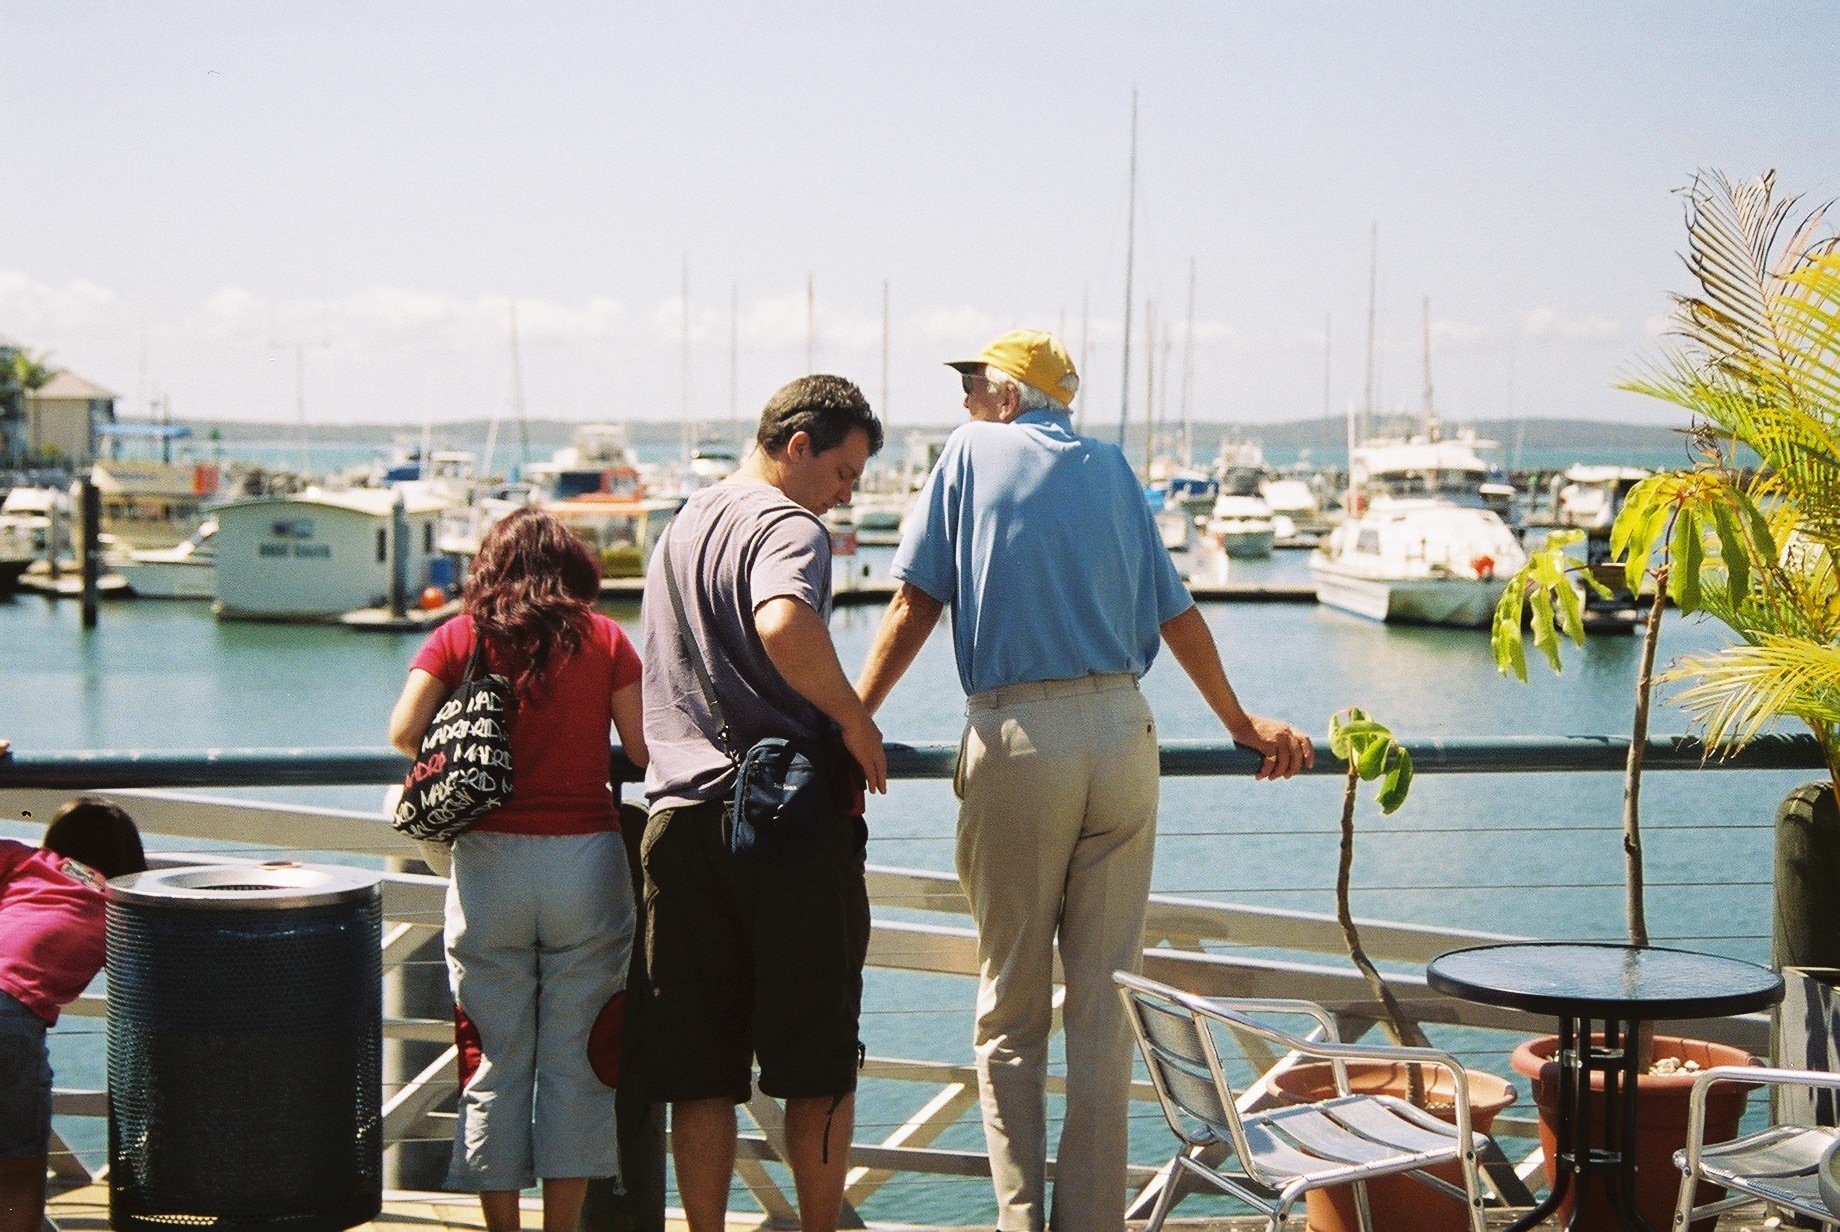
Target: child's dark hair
<point x="96" y="833"/>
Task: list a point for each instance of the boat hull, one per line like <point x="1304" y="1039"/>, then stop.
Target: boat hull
<point x="1461" y="602"/>
<point x="1248" y="544"/>
<point x="170" y="579"/>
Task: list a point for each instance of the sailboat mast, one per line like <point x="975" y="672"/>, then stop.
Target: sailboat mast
<point x="1085" y="316"/>
<point x="811" y="325"/>
<point x="300" y="409"/>
<point x="517" y="393"/>
<point x="1149" y="383"/>
<point x="885" y="434"/>
<point x="1188" y="361"/>
<point x="1373" y="284"/>
<point x="688" y="430"/>
<point x="1431" y="423"/>
<point x="1328" y="322"/>
<point x="1130" y="244"/>
<point x="734" y="361"/>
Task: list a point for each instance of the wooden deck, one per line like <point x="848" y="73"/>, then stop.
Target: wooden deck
<point x="87" y="1210"/>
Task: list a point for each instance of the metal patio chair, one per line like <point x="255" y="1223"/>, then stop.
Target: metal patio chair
<point x="1782" y="1164"/>
<point x="1282" y="1153"/>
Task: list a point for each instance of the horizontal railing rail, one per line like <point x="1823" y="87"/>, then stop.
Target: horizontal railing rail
<point x="106" y="768"/>
<point x="1185" y="935"/>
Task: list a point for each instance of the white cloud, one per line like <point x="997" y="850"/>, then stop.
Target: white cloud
<point x="1547" y="323"/>
<point x="1658" y="326"/>
<point x="1456" y="335"/>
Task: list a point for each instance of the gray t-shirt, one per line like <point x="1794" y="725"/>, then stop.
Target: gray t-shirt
<point x="733" y="546"/>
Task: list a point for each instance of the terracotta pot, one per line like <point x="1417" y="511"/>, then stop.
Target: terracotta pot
<point x="1397" y="1203"/>
<point x="1661" y="1124"/>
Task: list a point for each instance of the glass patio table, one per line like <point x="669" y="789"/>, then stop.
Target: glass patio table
<point x="1619" y="987"/>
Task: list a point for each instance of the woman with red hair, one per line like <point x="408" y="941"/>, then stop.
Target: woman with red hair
<point x="540" y="910"/>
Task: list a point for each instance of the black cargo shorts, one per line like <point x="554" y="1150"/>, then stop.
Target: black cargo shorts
<point x="751" y="958"/>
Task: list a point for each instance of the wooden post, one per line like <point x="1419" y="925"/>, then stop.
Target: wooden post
<point x="54" y="532"/>
<point x="399" y="556"/>
<point x="89" y="545"/>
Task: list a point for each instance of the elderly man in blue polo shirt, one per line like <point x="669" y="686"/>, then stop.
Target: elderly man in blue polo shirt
<point x="1041" y="542"/>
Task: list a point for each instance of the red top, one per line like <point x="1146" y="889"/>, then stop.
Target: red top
<point x="560" y="744"/>
<point x="51" y="928"/>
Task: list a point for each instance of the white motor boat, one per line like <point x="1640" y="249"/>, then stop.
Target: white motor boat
<point x="1418" y="544"/>
<point x="1590" y="497"/>
<point x="1418" y="560"/>
<point x="1242" y="526"/>
<point x="187" y="571"/>
<point x="712" y="462"/>
<point x="1296" y="514"/>
<point x="30" y="518"/>
<point x="874" y="517"/>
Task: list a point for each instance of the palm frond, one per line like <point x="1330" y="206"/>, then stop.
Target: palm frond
<point x="1742" y="689"/>
<point x="1732" y="233"/>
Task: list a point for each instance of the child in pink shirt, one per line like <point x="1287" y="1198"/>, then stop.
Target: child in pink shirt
<point x="51" y="946"/>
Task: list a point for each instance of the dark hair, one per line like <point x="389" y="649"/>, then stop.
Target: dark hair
<point x="530" y="593"/>
<point x="96" y="833"/>
<point x="825" y="408"/>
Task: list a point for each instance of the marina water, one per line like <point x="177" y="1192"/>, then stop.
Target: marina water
<point x="1534" y="854"/>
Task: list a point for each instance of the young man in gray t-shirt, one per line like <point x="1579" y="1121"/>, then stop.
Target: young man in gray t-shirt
<point x="756" y="958"/>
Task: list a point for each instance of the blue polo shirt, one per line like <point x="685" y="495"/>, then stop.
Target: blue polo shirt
<point x="1041" y="543"/>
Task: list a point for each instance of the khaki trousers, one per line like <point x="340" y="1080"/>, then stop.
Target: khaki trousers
<point x="1057" y="828"/>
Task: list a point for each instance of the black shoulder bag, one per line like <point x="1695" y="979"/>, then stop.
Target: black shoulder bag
<point x="463" y="770"/>
<point x="782" y="786"/>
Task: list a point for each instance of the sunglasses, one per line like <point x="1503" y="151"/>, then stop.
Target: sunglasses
<point x="969" y="381"/>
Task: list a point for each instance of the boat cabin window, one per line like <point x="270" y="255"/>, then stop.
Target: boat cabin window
<point x="383" y="545"/>
<point x="1369" y="542"/>
<point x="427" y="538"/>
<point x="577" y="483"/>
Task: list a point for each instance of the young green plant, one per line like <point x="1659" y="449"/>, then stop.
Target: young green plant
<point x="1372" y="755"/>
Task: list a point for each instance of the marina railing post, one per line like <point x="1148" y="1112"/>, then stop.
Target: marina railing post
<point x="417" y="988"/>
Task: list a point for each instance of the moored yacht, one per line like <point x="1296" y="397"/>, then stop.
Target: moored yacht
<point x="187" y="571"/>
<point x="1241" y="526"/>
<point x="1297" y="516"/>
<point x="1418" y="545"/>
<point x="596" y="487"/>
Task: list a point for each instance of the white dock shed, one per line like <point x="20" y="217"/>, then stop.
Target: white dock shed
<point x="318" y="555"/>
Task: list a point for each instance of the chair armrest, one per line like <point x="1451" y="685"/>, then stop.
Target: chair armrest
<point x="1226" y="1011"/>
<point x="1751" y="1075"/>
<point x="1280" y="1005"/>
<point x="1757" y="1075"/>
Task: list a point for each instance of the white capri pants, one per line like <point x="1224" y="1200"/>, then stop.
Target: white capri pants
<point x="539" y="930"/>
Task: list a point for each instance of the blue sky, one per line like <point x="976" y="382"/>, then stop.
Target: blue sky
<point x="212" y="186"/>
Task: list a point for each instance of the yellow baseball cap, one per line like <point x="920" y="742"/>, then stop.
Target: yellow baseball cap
<point x="1032" y="356"/>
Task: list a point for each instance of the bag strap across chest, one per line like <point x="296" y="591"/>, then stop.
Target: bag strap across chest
<point x="691" y="650"/>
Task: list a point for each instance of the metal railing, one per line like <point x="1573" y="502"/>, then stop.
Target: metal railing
<point x="1179" y="930"/>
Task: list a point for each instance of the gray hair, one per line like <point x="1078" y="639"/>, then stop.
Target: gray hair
<point x="1028" y="398"/>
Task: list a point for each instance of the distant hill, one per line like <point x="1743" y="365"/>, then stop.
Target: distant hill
<point x="1524" y="444"/>
<point x="1319" y="436"/>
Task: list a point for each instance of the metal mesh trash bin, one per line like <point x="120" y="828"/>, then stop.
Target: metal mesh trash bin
<point x="244" y="1048"/>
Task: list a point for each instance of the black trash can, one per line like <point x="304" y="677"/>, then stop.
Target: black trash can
<point x="245" y="1048"/>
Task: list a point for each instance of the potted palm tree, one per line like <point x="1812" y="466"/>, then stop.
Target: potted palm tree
<point x="1752" y="547"/>
<point x="1398" y="1203"/>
